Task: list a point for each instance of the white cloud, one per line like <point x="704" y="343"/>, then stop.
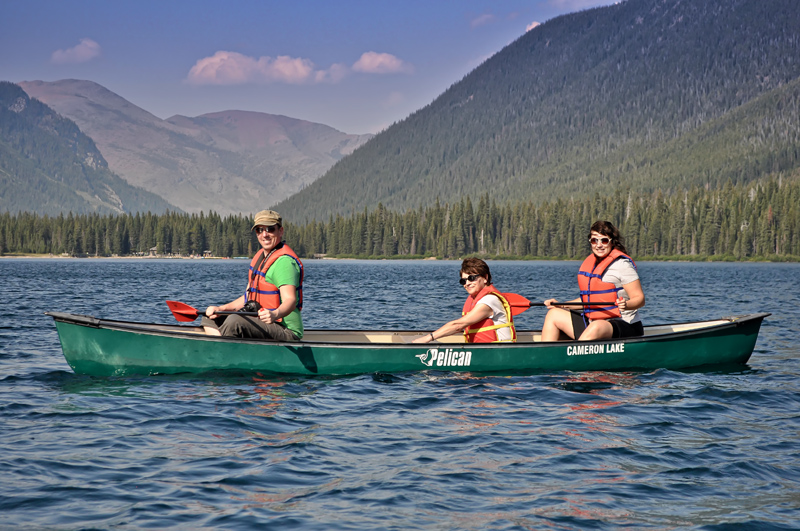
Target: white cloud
<point x="232" y="68"/>
<point x="84" y="51"/>
<point x="481" y="20"/>
<point x="285" y="68"/>
<point x="381" y="63"/>
<point x="532" y="25"/>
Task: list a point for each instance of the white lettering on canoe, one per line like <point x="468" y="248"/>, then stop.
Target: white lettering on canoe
<point x="583" y="350"/>
<point x="448" y="357"/>
<point x="616" y="347"/>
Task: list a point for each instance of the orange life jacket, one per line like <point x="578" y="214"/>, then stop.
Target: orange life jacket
<point x="486" y="331"/>
<point x="601" y="295"/>
<point x="258" y="289"/>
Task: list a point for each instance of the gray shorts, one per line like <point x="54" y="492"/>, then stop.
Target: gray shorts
<point x="621" y="327"/>
<point x="250" y="327"/>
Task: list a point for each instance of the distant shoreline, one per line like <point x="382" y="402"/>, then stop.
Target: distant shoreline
<point x="127" y="257"/>
<point x="698" y="259"/>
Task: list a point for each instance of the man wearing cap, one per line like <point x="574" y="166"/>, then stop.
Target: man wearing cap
<point x="275" y="283"/>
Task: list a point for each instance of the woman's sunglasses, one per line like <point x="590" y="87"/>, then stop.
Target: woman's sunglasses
<point x="270" y="229"/>
<point x="595" y="241"/>
<point x="470" y="278"/>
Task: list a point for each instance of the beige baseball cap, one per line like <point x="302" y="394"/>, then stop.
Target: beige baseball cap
<point x="267" y="218"/>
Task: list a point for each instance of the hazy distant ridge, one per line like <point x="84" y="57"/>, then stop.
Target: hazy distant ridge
<point x="47" y="165"/>
<point x="231" y="161"/>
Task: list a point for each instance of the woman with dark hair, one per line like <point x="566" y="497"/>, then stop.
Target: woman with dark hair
<point x="486" y="316"/>
<point x="609" y="287"/>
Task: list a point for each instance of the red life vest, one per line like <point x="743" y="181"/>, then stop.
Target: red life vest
<point x="486" y="331"/>
<point x="258" y="289"/>
<point x="601" y="295"/>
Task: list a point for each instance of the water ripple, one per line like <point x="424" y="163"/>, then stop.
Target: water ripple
<point x="435" y="450"/>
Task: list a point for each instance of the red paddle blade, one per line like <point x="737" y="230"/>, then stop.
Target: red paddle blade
<point x="517" y="302"/>
<point x="183" y="312"/>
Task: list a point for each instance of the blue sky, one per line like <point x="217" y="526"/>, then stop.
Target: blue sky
<point x="357" y="66"/>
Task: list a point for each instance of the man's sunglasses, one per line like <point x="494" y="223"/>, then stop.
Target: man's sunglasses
<point x="270" y="229"/>
<point x="470" y="278"/>
<point x="595" y="241"/>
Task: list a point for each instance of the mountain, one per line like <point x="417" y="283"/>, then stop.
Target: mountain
<point x="231" y="162"/>
<point x="47" y="165"/>
<point x="645" y="94"/>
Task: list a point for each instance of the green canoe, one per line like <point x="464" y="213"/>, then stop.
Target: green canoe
<point x="100" y="347"/>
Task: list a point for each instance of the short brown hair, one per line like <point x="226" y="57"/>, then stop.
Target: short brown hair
<point x="476" y="266"/>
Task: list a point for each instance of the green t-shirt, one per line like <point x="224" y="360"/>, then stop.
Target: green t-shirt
<point x="286" y="271"/>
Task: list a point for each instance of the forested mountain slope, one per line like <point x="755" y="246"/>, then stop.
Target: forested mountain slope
<point x="650" y="94"/>
<point x="48" y="166"/>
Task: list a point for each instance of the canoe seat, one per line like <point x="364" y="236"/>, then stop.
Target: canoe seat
<point x="681" y="327"/>
<point x="384" y="338"/>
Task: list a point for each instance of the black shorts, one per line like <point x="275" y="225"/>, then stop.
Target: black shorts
<point x="621" y="327"/>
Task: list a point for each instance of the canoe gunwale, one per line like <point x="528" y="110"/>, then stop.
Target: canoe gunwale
<point x="175" y="331"/>
<point x="100" y="347"/>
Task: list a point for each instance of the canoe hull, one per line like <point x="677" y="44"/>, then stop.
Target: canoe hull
<point x="112" y="348"/>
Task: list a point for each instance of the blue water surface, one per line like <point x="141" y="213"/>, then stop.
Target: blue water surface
<point x="711" y="449"/>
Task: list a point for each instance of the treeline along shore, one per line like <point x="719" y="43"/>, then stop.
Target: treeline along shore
<point x="748" y="222"/>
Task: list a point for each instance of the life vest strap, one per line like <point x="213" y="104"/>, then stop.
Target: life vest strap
<point x="265" y="292"/>
<point x="487" y="328"/>
<point x="512" y="339"/>
<point x="603" y="309"/>
<point x="599" y="291"/>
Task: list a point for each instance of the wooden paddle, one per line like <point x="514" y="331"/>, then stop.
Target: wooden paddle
<point x="519" y="303"/>
<point x="185" y="313"/>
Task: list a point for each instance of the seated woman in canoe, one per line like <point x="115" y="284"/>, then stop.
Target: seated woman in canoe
<point x="611" y="289"/>
<point x="486" y="317"/>
<point x="274" y="289"/>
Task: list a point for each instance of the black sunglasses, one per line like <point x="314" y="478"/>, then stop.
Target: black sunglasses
<point x="270" y="229"/>
<point x="470" y="278"/>
<point x="594" y="241"/>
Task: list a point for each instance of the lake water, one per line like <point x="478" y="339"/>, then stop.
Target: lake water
<point x="434" y="450"/>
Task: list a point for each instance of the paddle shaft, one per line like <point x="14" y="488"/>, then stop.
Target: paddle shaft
<point x="518" y="301"/>
<point x="565" y="304"/>
<point x="520" y="304"/>
<point x="185" y="313"/>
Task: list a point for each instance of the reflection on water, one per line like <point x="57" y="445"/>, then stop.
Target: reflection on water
<point x="264" y="398"/>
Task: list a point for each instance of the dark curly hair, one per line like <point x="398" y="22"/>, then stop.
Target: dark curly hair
<point x="606" y="228"/>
